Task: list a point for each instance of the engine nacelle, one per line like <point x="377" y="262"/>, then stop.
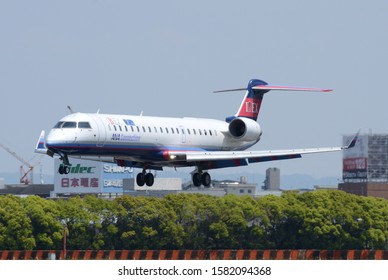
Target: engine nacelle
<point x="245" y="129"/>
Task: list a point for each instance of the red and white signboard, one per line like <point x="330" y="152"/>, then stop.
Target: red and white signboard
<point x="355" y="160"/>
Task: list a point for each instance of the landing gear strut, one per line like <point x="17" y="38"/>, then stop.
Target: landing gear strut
<point x="201" y="178"/>
<point x="145" y="178"/>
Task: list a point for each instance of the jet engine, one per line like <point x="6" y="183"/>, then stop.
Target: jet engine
<point x="245" y="129"/>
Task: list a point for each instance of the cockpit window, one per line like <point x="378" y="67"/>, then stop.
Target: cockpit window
<point x="72" y="125"/>
<point x="69" y="125"/>
<point x="84" y="125"/>
<point x="58" y="125"/>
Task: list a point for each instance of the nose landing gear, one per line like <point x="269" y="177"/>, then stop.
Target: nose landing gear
<point x="64" y="168"/>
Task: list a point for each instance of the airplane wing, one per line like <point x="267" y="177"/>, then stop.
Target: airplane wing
<point x="219" y="159"/>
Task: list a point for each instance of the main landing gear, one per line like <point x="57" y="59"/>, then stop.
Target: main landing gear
<point x="145" y="178"/>
<point x="201" y="178"/>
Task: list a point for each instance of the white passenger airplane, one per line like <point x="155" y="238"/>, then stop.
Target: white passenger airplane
<point x="151" y="143"/>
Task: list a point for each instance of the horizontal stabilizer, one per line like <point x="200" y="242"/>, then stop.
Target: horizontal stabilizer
<point x="291" y="88"/>
<point x="274" y="87"/>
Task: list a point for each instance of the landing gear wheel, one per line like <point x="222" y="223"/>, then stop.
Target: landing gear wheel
<point x="205" y="179"/>
<point x="64" y="169"/>
<point x="140" y="179"/>
<point x="149" y="179"/>
<point x="197" y="179"/>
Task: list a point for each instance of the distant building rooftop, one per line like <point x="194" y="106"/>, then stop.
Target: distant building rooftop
<point x="317" y="187"/>
<point x="42" y="190"/>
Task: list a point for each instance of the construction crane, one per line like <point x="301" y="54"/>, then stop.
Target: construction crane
<point x="24" y="178"/>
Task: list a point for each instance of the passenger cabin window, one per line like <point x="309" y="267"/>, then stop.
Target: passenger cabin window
<point x="84" y="125"/>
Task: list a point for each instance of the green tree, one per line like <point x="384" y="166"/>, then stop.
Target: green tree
<point x="103" y="229"/>
<point x="44" y="217"/>
<point x="200" y="218"/>
<point x="15" y="227"/>
<point x="238" y="214"/>
<point x="80" y="228"/>
<point x="147" y="223"/>
<point x="271" y="218"/>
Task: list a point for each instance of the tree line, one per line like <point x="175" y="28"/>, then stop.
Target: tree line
<point x="311" y="220"/>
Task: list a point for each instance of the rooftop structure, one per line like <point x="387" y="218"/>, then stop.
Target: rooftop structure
<point x="368" y="160"/>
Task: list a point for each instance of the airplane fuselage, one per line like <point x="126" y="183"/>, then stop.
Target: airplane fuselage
<point x="134" y="137"/>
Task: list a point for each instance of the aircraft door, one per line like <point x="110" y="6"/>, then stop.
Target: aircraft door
<point x="101" y="131"/>
<point x="183" y="133"/>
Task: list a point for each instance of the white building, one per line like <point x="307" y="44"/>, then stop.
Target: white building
<point x="238" y="188"/>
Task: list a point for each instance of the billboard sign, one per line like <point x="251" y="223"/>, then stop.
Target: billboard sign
<point x="355" y="168"/>
<point x="88" y="176"/>
<point x="113" y="176"/>
<point x="84" y="177"/>
<point x="355" y="160"/>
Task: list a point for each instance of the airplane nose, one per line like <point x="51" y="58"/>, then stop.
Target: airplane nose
<point x="50" y="140"/>
<point x="53" y="139"/>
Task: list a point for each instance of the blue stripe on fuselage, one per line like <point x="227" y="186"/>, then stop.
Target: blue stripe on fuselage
<point x="148" y="152"/>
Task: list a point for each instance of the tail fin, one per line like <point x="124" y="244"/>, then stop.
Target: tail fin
<point x="250" y="106"/>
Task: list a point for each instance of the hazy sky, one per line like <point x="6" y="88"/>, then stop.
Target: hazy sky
<point x="166" y="57"/>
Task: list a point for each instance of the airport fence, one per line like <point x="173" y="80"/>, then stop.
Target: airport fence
<point x="194" y="255"/>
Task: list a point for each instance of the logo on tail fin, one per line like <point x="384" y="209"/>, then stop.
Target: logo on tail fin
<point x="250" y="106"/>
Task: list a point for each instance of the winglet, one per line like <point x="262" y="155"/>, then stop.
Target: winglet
<point x="352" y="143"/>
<point x="41" y="145"/>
